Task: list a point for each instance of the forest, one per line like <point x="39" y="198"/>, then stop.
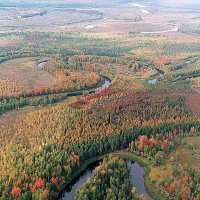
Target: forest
<point x="114" y="178"/>
<point x="84" y="90"/>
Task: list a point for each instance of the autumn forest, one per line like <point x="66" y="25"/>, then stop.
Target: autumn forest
<point x="99" y="100"/>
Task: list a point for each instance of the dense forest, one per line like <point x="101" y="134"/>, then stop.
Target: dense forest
<point x="103" y="122"/>
<point x="82" y="90"/>
<point x="41" y="153"/>
<point x="110" y="181"/>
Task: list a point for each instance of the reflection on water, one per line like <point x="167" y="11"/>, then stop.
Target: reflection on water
<point x="153" y="81"/>
<point x="136" y="177"/>
<point x="42" y="64"/>
<point x="106" y="84"/>
<point x="78" y="182"/>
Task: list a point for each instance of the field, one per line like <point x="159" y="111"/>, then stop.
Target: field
<point x="111" y="72"/>
<point x="192" y="102"/>
<point x="25" y="74"/>
<point x="185" y="158"/>
<point x="192" y="158"/>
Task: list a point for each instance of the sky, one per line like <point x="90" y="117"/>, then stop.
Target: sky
<point x="171" y="3"/>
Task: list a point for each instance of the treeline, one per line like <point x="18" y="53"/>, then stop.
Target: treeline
<point x="66" y="85"/>
<point x="187" y="61"/>
<point x="111" y="180"/>
<point x="100" y="63"/>
<point x="188" y="75"/>
<point x="183" y="75"/>
<point x="43" y="100"/>
<point x="12" y="55"/>
<point x="16" y="103"/>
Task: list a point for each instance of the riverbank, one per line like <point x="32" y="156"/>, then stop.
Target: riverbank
<point x="52" y="97"/>
<point x="144" y="163"/>
<point x="81" y="169"/>
<point x="122" y="154"/>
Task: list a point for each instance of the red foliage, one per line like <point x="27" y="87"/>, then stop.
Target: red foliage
<point x="171" y="188"/>
<point x="160" y="62"/>
<point x="40" y="183"/>
<point x="15" y="192"/>
<point x="164" y="145"/>
<point x="18" y="182"/>
<point x="54" y="180"/>
<point x="80" y="103"/>
<point x="45" y="193"/>
<point x="145" y="140"/>
<point x="193" y="130"/>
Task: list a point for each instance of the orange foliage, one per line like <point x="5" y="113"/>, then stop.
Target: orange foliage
<point x="40" y="183"/>
<point x="45" y="193"/>
<point x="18" y="182"/>
<point x="193" y="130"/>
<point x="164" y="145"/>
<point x="178" y="182"/>
<point x="145" y="140"/>
<point x="54" y="180"/>
<point x="15" y="192"/>
<point x="160" y="61"/>
<point x="171" y="187"/>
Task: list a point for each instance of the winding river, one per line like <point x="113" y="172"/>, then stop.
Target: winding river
<point x="185" y="63"/>
<point x="71" y="189"/>
<point x="136" y="171"/>
<point x="104" y="83"/>
<point x="136" y="178"/>
<point x="159" y="73"/>
<point x="174" y="29"/>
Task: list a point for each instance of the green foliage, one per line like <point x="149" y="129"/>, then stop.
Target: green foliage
<point x="45" y="149"/>
<point x="110" y="181"/>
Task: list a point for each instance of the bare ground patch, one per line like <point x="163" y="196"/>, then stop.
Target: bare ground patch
<point x="24" y="71"/>
<point x="193" y="103"/>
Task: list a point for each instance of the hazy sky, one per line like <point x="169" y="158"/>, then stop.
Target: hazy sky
<point x="170" y="3"/>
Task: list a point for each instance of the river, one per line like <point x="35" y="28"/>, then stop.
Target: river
<point x="41" y="64"/>
<point x="136" y="171"/>
<point x="136" y="178"/>
<point x="105" y="82"/>
<point x="153" y="81"/>
<point x="71" y="189"/>
<point x="175" y="29"/>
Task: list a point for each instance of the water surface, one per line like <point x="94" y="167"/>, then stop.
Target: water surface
<point x="136" y="178"/>
<point x="153" y="81"/>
